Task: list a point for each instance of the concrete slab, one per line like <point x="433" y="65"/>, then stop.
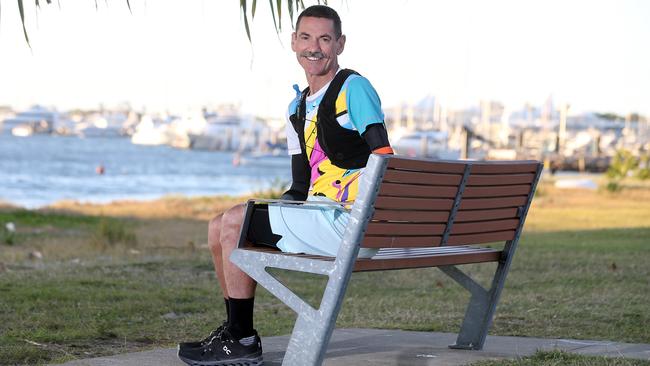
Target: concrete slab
<point x="397" y="348"/>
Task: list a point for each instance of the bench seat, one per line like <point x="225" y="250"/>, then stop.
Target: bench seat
<point x="403" y="258"/>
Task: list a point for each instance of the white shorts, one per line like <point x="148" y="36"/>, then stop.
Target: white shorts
<point x="311" y="229"/>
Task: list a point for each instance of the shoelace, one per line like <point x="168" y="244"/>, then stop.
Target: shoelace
<point x="214" y="334"/>
<point x="213" y="343"/>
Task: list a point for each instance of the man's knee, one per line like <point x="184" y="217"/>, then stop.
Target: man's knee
<point x="231" y="224"/>
<point x="214" y="231"/>
<point x="233" y="217"/>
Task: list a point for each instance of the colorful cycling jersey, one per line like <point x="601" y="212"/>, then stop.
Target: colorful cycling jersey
<point x="357" y="106"/>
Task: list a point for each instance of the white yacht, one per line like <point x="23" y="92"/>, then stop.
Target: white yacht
<point x="431" y="144"/>
<point x="35" y="120"/>
<point x="151" y="131"/>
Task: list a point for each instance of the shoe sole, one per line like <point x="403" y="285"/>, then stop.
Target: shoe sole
<point x="256" y="361"/>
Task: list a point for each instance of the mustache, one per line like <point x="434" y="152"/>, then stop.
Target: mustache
<point x="316" y="54"/>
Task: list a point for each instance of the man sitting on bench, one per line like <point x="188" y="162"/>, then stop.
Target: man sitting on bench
<point x="333" y="126"/>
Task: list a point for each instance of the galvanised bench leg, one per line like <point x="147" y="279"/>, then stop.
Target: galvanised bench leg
<point x="313" y="328"/>
<point x="308" y="342"/>
<point x="469" y="336"/>
<point x="481" y="307"/>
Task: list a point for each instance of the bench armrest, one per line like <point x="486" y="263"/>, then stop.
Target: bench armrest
<point x="280" y="202"/>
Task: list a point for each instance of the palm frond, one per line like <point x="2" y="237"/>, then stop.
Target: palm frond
<point x="22" y="19"/>
<point x="275" y="23"/>
<point x="279" y="7"/>
<point x="242" y="4"/>
<point x="290" y="6"/>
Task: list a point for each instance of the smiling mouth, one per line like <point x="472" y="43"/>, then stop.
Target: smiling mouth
<point x="313" y="56"/>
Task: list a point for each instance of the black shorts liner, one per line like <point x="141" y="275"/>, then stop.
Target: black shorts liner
<point x="259" y="229"/>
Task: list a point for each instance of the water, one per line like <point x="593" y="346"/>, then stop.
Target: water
<point x="39" y="170"/>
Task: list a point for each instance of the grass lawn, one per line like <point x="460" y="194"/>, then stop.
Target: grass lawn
<point x="140" y="277"/>
<point x="556" y="358"/>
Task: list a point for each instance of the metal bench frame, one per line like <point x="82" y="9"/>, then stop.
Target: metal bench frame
<point x="314" y="327"/>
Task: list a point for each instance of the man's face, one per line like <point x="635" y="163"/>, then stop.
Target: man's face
<point x="316" y="45"/>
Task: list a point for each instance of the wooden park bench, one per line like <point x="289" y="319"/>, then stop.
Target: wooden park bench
<point x="421" y="213"/>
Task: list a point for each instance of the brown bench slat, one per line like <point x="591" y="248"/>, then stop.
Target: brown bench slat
<point x="505" y="167"/>
<point x="499" y="180"/>
<point x="409" y="190"/>
<point x="426" y="166"/>
<point x="485" y="203"/>
<point x="428" y="204"/>
<point x="481" y="238"/>
<point x="484" y="226"/>
<point x="362" y="265"/>
<point x="404" y="229"/>
<point x="492" y="214"/>
<point x="370" y="241"/>
<point x="411" y="216"/>
<point x="419" y="229"/>
<point x="432" y="179"/>
<point x="498" y="191"/>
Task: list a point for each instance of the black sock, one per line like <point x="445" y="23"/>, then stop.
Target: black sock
<point x="240" y="317"/>
<point x="225" y="300"/>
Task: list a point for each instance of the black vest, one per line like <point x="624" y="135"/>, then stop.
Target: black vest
<point x="344" y="147"/>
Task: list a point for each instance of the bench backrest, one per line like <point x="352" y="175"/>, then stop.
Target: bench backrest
<point x="422" y="203"/>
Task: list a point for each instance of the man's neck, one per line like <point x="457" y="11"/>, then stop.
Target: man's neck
<point x="316" y="82"/>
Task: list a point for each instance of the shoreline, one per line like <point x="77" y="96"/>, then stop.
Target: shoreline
<point x="164" y="207"/>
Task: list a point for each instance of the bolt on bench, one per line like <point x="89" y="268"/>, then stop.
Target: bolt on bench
<point x="420" y="213"/>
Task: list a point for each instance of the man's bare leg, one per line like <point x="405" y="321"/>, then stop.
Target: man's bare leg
<point x="214" y="243"/>
<point x="239" y="285"/>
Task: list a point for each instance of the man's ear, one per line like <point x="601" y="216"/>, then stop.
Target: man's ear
<point x="293" y="41"/>
<point x="341" y="42"/>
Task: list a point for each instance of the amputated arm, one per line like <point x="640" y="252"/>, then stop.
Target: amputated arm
<point x="377" y="139"/>
<point x="300" y="179"/>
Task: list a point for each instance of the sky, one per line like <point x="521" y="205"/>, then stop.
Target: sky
<point x="182" y="55"/>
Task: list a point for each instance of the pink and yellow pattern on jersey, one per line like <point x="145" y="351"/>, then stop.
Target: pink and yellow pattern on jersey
<point x="327" y="179"/>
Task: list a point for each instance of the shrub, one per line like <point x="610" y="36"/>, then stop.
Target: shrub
<point x="643" y="169"/>
<point x="625" y="164"/>
<point x="8" y="233"/>
<point x="613" y="186"/>
<point x="622" y="165"/>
